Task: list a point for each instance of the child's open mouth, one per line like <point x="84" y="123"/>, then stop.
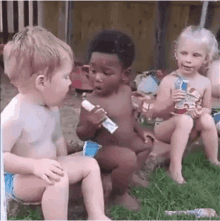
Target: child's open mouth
<point x="97" y="88"/>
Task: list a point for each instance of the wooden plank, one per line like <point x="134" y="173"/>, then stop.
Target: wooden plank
<point x="50" y="16"/>
<point x="143" y="30"/>
<point x="61" y="21"/>
<point x="5" y="23"/>
<point x="40" y="15"/>
<point x="66" y="20"/>
<point x="178" y="20"/>
<point x="185" y="3"/>
<point x="1" y="18"/>
<point x="35" y="13"/>
<point x="20" y="15"/>
<point x="77" y="18"/>
<point x="215" y="25"/>
<point x="114" y="14"/>
<point x="30" y="8"/>
<point x="10" y="16"/>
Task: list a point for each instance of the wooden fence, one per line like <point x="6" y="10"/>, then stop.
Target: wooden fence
<point x="15" y="15"/>
<point x="154" y="25"/>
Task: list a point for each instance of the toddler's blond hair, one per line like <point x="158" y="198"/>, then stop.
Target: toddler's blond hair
<point x="34" y="50"/>
<point x="198" y="33"/>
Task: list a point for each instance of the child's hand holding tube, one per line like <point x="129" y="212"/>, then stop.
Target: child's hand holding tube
<point x="177" y="95"/>
<point x="95" y="116"/>
<point x="98" y="117"/>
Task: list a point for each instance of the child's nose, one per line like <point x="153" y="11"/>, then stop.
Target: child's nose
<point x="188" y="58"/>
<point x="98" y="77"/>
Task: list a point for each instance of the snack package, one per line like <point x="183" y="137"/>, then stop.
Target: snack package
<point x="108" y="123"/>
<point x="90" y="148"/>
<point x="181" y="84"/>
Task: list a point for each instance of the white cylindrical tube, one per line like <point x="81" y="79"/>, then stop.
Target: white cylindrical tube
<point x="108" y="123"/>
<point x="87" y="105"/>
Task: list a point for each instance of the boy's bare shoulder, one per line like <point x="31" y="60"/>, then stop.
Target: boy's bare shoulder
<point x="125" y="88"/>
<point x="13" y="111"/>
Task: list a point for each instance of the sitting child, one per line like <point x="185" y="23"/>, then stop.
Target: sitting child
<point x="124" y="152"/>
<point x="194" y="47"/>
<point x="37" y="168"/>
<point x="214" y="75"/>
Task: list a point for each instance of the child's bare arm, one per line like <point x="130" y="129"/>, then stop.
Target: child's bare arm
<point x="11" y="128"/>
<point x="143" y="132"/>
<point x="164" y="103"/>
<point x="214" y="76"/>
<point x="207" y="98"/>
<point x="58" y="138"/>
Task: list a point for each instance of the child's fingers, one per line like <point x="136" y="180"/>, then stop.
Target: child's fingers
<point x="57" y="171"/>
<point x="100" y="110"/>
<point x="58" y="165"/>
<point x="46" y="179"/>
<point x="150" y="135"/>
<point x="53" y="176"/>
<point x="101" y="119"/>
<point x="179" y="91"/>
<point x="179" y="95"/>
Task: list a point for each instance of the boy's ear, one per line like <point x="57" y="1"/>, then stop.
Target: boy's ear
<point x="126" y="74"/>
<point x="40" y="82"/>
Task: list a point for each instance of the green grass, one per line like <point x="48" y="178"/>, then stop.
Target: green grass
<point x="202" y="190"/>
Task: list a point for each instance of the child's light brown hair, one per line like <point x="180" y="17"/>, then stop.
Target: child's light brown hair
<point x="34" y="50"/>
<point x="199" y="33"/>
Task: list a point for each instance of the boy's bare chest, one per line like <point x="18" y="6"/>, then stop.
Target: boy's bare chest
<point x="38" y="127"/>
<point x="116" y="107"/>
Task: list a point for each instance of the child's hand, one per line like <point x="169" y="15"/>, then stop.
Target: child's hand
<point x="145" y="134"/>
<point x="48" y="170"/>
<point x="178" y="95"/>
<point x="196" y="112"/>
<point x="96" y="116"/>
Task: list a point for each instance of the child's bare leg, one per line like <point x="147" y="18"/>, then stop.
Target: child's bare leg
<point x="122" y="162"/>
<point x="209" y="135"/>
<point x="54" y="198"/>
<point x="142" y="150"/>
<point x="87" y="169"/>
<point x="177" y="130"/>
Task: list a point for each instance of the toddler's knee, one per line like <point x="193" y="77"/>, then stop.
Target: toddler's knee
<point x="207" y="121"/>
<point x="91" y="164"/>
<point x="129" y="159"/>
<point x="185" y="122"/>
<point x="63" y="182"/>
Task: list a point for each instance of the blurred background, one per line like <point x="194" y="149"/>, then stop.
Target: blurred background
<point x="154" y="25"/>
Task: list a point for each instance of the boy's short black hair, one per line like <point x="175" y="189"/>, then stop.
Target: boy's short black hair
<point x="114" y="42"/>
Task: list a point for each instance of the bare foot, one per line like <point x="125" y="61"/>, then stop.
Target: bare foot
<point x="127" y="201"/>
<point x="216" y="163"/>
<point x="102" y="217"/>
<point x="138" y="182"/>
<point x="177" y="177"/>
